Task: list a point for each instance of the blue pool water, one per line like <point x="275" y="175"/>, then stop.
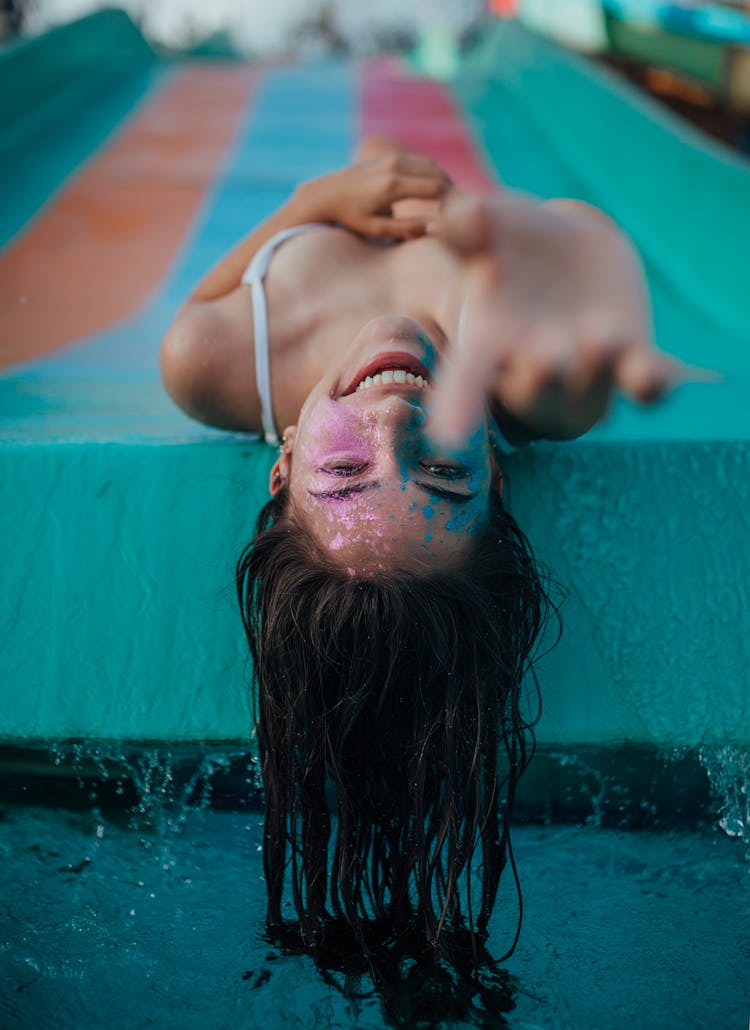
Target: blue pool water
<point x="153" y="917"/>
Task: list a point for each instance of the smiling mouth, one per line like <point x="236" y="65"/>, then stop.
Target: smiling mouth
<point x="401" y="368"/>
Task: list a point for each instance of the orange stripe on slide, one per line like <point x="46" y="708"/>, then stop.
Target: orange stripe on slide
<point x="97" y="253"/>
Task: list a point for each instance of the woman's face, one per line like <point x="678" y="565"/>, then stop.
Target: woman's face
<point x="373" y="486"/>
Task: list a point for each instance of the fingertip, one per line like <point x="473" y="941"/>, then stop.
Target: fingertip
<point x="650" y="377"/>
<point x="447" y="426"/>
<point x="411" y="229"/>
<point x="698" y="374"/>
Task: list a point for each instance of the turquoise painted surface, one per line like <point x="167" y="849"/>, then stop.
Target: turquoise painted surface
<point x="124" y="518"/>
<point x="122" y="618"/>
<point x="649" y="538"/>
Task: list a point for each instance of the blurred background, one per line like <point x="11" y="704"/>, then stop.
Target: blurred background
<point x="691" y="56"/>
<point x="254" y="27"/>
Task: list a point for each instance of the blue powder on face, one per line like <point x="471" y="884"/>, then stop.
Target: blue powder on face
<point x="429" y="351"/>
<point x="427" y="511"/>
<point x="457" y="522"/>
<point x="428" y="537"/>
<point x="460" y="523"/>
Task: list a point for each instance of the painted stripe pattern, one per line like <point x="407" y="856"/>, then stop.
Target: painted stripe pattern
<point x="99" y="250"/>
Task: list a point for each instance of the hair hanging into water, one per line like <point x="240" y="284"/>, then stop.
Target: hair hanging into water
<point x="394" y="703"/>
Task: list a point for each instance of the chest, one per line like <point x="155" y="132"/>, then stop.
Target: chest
<point x="321" y="288"/>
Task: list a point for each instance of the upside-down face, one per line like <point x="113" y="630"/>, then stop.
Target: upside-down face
<point x="361" y="466"/>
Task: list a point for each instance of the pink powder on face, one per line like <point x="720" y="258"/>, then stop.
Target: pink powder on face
<point x="335" y="430"/>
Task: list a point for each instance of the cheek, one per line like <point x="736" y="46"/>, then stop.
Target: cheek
<point x="330" y="428"/>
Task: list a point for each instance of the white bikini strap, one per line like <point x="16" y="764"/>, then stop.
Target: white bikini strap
<point x="254" y="275"/>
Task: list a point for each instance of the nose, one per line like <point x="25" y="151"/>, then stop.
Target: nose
<point x="397" y="422"/>
<point x="395" y="410"/>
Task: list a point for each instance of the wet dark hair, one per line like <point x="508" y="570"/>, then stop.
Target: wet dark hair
<point x="393" y="702"/>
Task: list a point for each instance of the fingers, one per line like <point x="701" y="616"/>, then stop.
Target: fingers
<point x="425" y="187"/>
<point x="411" y="163"/>
<point x="647" y="375"/>
<point x="644" y="375"/>
<point x="557" y="382"/>
<point x="462" y="386"/>
<point x="457" y="399"/>
<point x="410" y="175"/>
<point x="386" y="228"/>
<point x="464" y="224"/>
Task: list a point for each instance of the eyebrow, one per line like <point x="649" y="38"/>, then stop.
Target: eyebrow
<point x="342" y="493"/>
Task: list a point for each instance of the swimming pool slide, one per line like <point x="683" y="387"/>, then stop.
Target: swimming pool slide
<point x="126" y="177"/>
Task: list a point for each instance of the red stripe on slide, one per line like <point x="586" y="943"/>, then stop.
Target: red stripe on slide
<point x="105" y="243"/>
<point x="422" y="113"/>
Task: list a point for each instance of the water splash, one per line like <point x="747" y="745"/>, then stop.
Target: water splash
<point x="596" y="783"/>
<point x="166" y="783"/>
<point x="728" y="769"/>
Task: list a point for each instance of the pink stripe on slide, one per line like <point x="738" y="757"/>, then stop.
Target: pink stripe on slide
<point x="422" y="113"/>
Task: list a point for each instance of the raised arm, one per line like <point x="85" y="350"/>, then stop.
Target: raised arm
<point x="555" y="318"/>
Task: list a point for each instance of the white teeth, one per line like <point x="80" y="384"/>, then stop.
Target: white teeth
<point x="395" y="375"/>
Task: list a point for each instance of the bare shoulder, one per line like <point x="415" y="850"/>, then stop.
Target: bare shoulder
<point x="207" y="362"/>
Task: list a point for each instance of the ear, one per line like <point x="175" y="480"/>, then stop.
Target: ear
<point x="282" y="467"/>
<point x="497" y="482"/>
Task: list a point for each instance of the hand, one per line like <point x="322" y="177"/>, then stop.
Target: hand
<point x="555" y="319"/>
<point x="361" y="196"/>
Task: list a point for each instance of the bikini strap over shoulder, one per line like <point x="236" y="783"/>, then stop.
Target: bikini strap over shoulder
<point x="253" y="276"/>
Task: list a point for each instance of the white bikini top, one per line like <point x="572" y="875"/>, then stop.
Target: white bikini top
<point x="254" y="275"/>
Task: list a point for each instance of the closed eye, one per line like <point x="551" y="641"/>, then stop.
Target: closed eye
<point x="444" y="492"/>
<point x="344" y="492"/>
<point x="444" y="470"/>
<point x="344" y="468"/>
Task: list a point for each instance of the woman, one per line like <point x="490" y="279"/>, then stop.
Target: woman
<point x="391" y="604"/>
